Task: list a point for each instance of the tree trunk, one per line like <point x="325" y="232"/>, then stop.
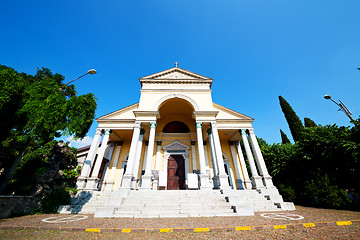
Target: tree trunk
<point x="13" y="166"/>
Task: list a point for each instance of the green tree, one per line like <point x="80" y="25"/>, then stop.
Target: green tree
<point x="40" y="113"/>
<point x="309" y="123"/>
<point x="320" y="168"/>
<point x="294" y="122"/>
<point x="284" y="138"/>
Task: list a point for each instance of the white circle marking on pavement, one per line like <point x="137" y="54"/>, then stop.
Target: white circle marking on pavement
<point x="282" y="216"/>
<point x="64" y="219"/>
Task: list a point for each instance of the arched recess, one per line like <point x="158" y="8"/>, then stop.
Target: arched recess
<point x="162" y="100"/>
<point x="176" y="110"/>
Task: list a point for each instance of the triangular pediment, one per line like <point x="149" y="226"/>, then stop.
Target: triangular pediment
<point x="176" y="146"/>
<point x="126" y="113"/>
<point x="176" y="73"/>
<point x="229" y="114"/>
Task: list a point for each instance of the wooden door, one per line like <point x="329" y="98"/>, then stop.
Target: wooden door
<point x="176" y="173"/>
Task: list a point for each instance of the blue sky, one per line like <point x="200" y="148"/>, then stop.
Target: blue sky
<point x="254" y="50"/>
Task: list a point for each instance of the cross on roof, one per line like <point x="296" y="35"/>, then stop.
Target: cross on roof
<point x="176" y="64"/>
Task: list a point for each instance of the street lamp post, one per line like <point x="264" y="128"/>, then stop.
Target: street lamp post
<point x="91" y="71"/>
<point x="342" y="107"/>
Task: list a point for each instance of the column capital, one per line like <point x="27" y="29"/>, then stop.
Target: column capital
<point x="214" y="124"/>
<point x="98" y="131"/>
<point x="137" y="125"/>
<point x="242" y="131"/>
<point x="153" y="124"/>
<point x="198" y="124"/>
<point x="251" y="131"/>
<point x="107" y="131"/>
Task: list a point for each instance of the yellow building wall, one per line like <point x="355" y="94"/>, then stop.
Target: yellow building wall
<point x="122" y="158"/>
<point x="227" y="152"/>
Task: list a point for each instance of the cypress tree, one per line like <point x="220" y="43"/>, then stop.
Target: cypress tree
<point x="309" y="123"/>
<point x="284" y="138"/>
<point x="294" y="122"/>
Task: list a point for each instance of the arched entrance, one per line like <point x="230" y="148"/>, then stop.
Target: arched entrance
<point x="176" y="172"/>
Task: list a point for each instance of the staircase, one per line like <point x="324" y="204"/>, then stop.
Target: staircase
<point x="87" y="202"/>
<point x="172" y="203"/>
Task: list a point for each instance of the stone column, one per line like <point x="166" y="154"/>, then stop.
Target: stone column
<point x="93" y="181"/>
<point x="110" y="182"/>
<point x="193" y="156"/>
<point x="239" y="174"/>
<point x="222" y="176"/>
<point x="213" y="158"/>
<point x="157" y="165"/>
<point x="204" y="178"/>
<point x="243" y="166"/>
<point x="135" y="179"/>
<point x="256" y="180"/>
<point x="126" y="182"/>
<point x="85" y="172"/>
<point x="146" y="179"/>
<point x="260" y="160"/>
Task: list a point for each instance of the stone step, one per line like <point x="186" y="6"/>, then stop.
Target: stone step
<point x="179" y="203"/>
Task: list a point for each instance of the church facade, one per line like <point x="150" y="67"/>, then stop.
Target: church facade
<point x="176" y="139"/>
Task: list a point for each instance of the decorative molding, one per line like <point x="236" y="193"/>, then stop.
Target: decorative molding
<point x="205" y="113"/>
<point x="175" y="95"/>
<point x="175" y="73"/>
<point x="176" y="146"/>
<point x="146" y="114"/>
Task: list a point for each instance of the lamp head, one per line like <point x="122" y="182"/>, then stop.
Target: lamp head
<point x="92" y="71"/>
<point x="327" y="97"/>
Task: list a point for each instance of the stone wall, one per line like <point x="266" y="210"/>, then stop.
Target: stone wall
<point x="11" y="205"/>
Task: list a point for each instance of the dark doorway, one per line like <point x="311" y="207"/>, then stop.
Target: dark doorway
<point x="176" y="173"/>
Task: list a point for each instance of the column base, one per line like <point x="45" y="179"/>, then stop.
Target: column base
<point x="81" y="183"/>
<point x="257" y="182"/>
<point x="223" y="181"/>
<point x="134" y="184"/>
<point x="248" y="184"/>
<point x="146" y="182"/>
<point x="126" y="182"/>
<point x="92" y="184"/>
<point x="155" y="185"/>
<point x="268" y="182"/>
<point x="109" y="186"/>
<point x="204" y="181"/>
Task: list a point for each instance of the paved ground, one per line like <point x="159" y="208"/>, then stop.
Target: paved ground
<point x="315" y="224"/>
